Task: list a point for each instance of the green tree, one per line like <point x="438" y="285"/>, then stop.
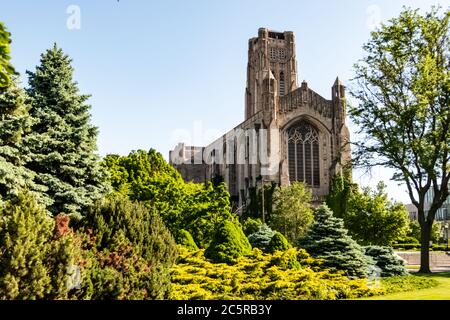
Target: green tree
<point x="328" y="239"/>
<point x="402" y="85"/>
<point x="370" y="217"/>
<point x="147" y="177"/>
<point x="14" y="124"/>
<point x="414" y="231"/>
<point x="63" y="142"/>
<point x="341" y="191"/>
<point x="373" y="219"/>
<point x="6" y="69"/>
<point x="229" y="243"/>
<point x="292" y="213"/>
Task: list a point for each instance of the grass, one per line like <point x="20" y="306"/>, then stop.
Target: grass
<point x="440" y="289"/>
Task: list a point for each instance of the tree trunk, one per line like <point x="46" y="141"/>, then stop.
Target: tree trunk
<point x="425" y="236"/>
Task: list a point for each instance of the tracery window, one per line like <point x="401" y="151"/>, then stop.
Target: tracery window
<point x="303" y="154"/>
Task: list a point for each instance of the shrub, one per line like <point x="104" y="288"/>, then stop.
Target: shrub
<point x="278" y="243"/>
<point x="388" y="262"/>
<point x="185" y="239"/>
<point x="261" y="238"/>
<point x="406" y="246"/>
<point x="327" y="239"/>
<point x="284" y="275"/>
<point x="228" y="244"/>
<point x="131" y="251"/>
<point x="407" y="240"/>
<point x="251" y="225"/>
<point x="35" y="257"/>
<point x="439" y="247"/>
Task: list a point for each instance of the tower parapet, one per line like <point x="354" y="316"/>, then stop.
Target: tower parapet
<point x="271" y="68"/>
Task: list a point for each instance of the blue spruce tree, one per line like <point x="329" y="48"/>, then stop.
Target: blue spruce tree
<point x="62" y="144"/>
<point x="327" y="239"/>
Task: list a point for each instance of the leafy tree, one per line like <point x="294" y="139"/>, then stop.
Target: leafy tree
<point x="327" y="239"/>
<point x="6" y="69"/>
<point x="34" y="260"/>
<point x="63" y="142"/>
<point x="292" y="212"/>
<point x="278" y="243"/>
<point x="14" y="124"/>
<point x="147" y="177"/>
<point x="131" y="251"/>
<point x="341" y="191"/>
<point x="261" y="238"/>
<point x="388" y="262"/>
<point x="370" y="217"/>
<point x="373" y="219"/>
<point x="205" y="207"/>
<point x="402" y="86"/>
<point x="229" y="243"/>
<point x="414" y="231"/>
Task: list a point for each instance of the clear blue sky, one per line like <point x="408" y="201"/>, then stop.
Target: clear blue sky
<point x="157" y="67"/>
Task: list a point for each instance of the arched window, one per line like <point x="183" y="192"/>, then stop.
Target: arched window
<point x="303" y="154"/>
<point x="282" y="84"/>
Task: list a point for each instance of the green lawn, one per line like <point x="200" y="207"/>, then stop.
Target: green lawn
<point x="439" y="292"/>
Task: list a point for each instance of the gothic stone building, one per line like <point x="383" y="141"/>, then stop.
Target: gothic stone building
<point x="290" y="133"/>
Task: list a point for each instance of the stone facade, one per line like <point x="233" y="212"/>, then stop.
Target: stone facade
<point x="290" y="132"/>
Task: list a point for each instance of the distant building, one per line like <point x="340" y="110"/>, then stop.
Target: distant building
<point x="412" y="211"/>
<point x="443" y="212"/>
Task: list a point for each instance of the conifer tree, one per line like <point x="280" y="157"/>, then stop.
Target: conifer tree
<point x="14" y="124"/>
<point x="6" y="69"/>
<point x="261" y="238"/>
<point x="327" y="239"/>
<point x="63" y="141"/>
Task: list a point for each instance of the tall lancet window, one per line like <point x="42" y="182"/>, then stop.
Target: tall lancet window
<point x="303" y="154"/>
<point x="282" y="84"/>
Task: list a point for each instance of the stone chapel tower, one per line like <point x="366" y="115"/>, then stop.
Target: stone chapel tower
<point x="271" y="70"/>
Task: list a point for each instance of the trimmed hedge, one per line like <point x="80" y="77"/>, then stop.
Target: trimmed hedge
<point x="229" y="243"/>
<point x="185" y="239"/>
<point x="415" y="246"/>
<point x="278" y="243"/>
<point x="290" y="275"/>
